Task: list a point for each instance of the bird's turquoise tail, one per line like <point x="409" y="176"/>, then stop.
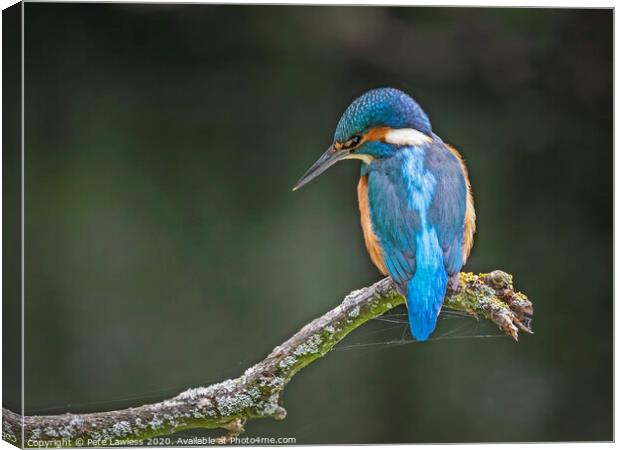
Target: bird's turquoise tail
<point x="427" y="288"/>
<point x="424" y="299"/>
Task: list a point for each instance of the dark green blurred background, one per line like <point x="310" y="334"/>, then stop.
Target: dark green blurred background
<point x="165" y="249"/>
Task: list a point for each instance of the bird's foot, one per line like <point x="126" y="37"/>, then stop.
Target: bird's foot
<point x="454" y="283"/>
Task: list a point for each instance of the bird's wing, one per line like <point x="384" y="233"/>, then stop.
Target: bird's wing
<point x="470" y="213"/>
<point x="447" y="212"/>
<point x="394" y="223"/>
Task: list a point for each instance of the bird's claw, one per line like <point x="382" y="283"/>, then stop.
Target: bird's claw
<point x="454" y="283"/>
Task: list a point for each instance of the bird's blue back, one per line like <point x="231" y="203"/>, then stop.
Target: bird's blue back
<point x="417" y="208"/>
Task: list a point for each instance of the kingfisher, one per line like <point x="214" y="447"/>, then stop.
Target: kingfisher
<point x="415" y="199"/>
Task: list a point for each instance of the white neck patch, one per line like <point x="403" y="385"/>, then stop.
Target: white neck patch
<point x="366" y="159"/>
<point x="407" y="136"/>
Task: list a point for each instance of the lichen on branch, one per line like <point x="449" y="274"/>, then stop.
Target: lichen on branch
<point x="258" y="392"/>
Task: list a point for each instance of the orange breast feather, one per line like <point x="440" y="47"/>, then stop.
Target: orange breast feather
<point x="370" y="238"/>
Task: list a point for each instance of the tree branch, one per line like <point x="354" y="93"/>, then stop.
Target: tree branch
<point x="258" y="392"/>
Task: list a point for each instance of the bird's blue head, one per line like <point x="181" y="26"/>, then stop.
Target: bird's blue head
<point x="374" y="126"/>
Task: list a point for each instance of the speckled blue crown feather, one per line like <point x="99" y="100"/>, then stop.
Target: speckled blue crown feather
<point x="386" y="107"/>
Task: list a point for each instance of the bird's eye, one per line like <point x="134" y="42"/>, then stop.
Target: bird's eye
<point x="354" y="141"/>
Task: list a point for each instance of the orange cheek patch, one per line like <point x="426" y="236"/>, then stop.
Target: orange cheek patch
<point x="376" y="134"/>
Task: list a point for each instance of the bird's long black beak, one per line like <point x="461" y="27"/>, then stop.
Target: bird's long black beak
<point x="328" y="159"/>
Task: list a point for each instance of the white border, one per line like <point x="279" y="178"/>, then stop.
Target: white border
<point x="480" y="3"/>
